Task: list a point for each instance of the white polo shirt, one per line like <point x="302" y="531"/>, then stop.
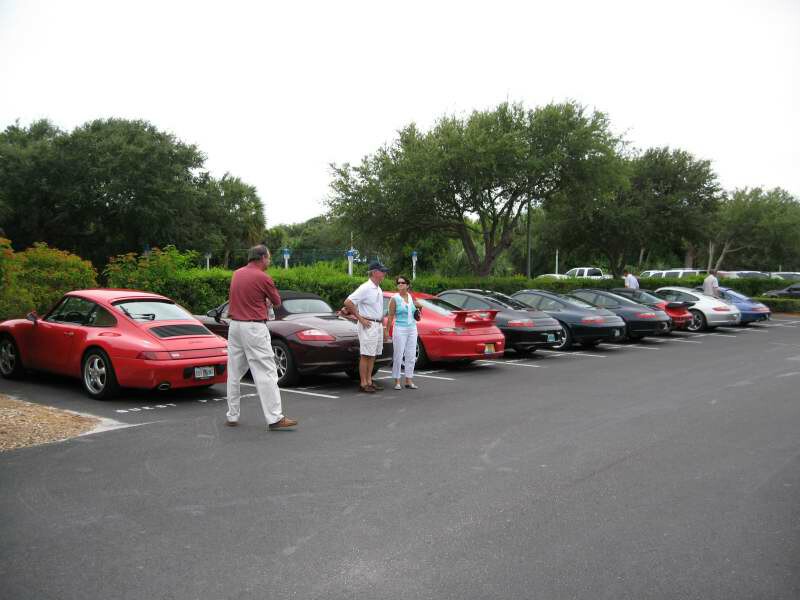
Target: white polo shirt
<point x="368" y="299"/>
<point x="631" y="282"/>
<point x="711" y="286"/>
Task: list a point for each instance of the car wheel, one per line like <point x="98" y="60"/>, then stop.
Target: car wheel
<point x="99" y="379"/>
<point x="356" y="376"/>
<point x="10" y="361"/>
<point x="699" y="322"/>
<point x="566" y="339"/>
<point x="422" y="356"/>
<point x="285" y="365"/>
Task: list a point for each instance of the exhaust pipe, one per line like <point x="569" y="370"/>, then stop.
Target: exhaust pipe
<point x="164" y="386"/>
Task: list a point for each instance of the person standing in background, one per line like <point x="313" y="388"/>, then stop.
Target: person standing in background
<point x="711" y="284"/>
<point x="249" y="342"/>
<point x="630" y="280"/>
<point x="403" y="327"/>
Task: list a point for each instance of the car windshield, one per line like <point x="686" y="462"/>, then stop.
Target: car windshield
<point x="295" y="306"/>
<point x="153" y="310"/>
<point x="507" y="300"/>
<point x="437" y="305"/>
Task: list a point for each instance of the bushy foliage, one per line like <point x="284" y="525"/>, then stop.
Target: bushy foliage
<point x="36" y="278"/>
<point x="786" y="305"/>
<point x="152" y="272"/>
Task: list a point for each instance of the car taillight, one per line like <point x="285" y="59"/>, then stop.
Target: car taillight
<point x="154" y="355"/>
<point x="721" y="308"/>
<point x="646" y="315"/>
<point x="661" y="306"/>
<point x="590" y="320"/>
<point x="315" y="335"/>
<point x="520" y="323"/>
<point x="451" y="330"/>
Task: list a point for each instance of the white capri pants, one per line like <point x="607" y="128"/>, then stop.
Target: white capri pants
<point x="405" y="350"/>
<point x="250" y="347"/>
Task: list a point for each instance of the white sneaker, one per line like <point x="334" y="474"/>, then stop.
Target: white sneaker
<point x="397" y="386"/>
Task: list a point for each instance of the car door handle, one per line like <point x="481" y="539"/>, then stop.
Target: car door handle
<point x="69" y="333"/>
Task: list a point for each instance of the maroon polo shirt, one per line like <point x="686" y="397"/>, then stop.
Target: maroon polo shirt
<point x="251" y="287"/>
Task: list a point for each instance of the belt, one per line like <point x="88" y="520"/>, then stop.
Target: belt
<point x="250" y="320"/>
<point x="374" y="320"/>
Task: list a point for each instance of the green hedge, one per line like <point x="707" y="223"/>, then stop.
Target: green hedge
<point x="787" y="305"/>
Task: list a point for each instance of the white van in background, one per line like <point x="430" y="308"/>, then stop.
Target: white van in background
<point x="672" y="273"/>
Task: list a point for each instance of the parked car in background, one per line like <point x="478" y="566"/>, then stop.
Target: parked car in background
<point x="553" y="275"/>
<point x="448" y="333"/>
<point x="640" y="320"/>
<point x="115" y="338"/>
<point x="707" y="312"/>
<point x="752" y="310"/>
<point x="672" y="273"/>
<point x="790" y="275"/>
<point x="678" y="312"/>
<point x="742" y="275"/>
<point x="790" y="291"/>
<point x="587" y="273"/>
<point x="524" y="328"/>
<point x="582" y="322"/>
<point x="307" y="337"/>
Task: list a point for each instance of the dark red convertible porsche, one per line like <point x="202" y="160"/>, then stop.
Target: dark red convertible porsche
<point x="307" y="337"/>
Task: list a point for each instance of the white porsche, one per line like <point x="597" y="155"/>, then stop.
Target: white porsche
<point x="707" y="312"/>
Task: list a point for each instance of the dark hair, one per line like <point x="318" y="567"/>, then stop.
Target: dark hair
<point x="257" y="252"/>
<point x="404" y="278"/>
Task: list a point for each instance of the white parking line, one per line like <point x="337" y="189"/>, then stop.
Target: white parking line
<point x="418" y="375"/>
<point x="790" y="374"/>
<point x="293" y="391"/>
<point x="587" y="354"/>
<point x="514" y="363"/>
<point x="631" y="347"/>
<point x="682" y="341"/>
<point x="724" y="335"/>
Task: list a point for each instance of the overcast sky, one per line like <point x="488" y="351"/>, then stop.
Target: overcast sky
<point x="274" y="94"/>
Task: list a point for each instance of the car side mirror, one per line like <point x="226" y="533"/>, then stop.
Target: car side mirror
<point x="214" y="314"/>
<point x="32" y="316"/>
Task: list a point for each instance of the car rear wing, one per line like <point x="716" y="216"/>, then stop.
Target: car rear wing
<point x="484" y="317"/>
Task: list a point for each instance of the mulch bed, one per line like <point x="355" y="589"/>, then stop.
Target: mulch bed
<point x="24" y="424"/>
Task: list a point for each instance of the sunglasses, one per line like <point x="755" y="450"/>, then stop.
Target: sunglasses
<point x="402" y="282"/>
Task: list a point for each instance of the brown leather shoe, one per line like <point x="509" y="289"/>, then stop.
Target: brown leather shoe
<point x="378" y="387"/>
<point x="231" y="423"/>
<point x="284" y="423"/>
<point x="367" y="389"/>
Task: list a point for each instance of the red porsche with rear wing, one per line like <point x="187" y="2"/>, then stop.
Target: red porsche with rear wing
<point x="449" y="333"/>
<point x="115" y="338"/>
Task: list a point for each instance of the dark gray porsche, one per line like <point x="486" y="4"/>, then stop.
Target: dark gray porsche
<point x="307" y="337"/>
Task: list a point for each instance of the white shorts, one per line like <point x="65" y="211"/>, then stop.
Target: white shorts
<point x="371" y="339"/>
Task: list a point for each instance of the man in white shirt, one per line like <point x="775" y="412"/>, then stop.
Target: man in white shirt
<point x="630" y="280"/>
<point x="711" y="284"/>
<point x="366" y="305"/>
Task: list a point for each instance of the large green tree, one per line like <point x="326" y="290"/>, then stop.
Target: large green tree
<point x="473" y="175"/>
<point x="114" y="186"/>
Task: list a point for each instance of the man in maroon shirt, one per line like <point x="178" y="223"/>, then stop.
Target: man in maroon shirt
<point x="249" y="343"/>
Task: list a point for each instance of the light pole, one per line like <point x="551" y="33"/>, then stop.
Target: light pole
<point x="208" y="261"/>
<point x="528" y="269"/>
<point x="286" y="254"/>
<point x="414" y="264"/>
<point x="350" y="262"/>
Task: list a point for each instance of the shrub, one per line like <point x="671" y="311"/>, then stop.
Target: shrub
<point x="46" y="274"/>
<point x="151" y="272"/>
<point x="788" y="305"/>
<point x="14" y="300"/>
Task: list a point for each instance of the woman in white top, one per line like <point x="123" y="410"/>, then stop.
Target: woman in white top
<point x="404" y="332"/>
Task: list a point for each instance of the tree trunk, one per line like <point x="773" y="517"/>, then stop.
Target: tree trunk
<point x="711" y="248"/>
<point x="641" y="259"/>
<point x="226" y="259"/>
<point x="690" y="256"/>
<point x="725" y="247"/>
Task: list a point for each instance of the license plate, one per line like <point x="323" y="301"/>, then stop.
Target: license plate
<point x="551" y="337"/>
<point x="488" y="349"/>
<point x="203" y="372"/>
<point x="616" y="332"/>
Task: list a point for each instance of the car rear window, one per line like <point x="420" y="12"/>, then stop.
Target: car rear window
<point x="152" y="310"/>
<point x="297" y="306"/>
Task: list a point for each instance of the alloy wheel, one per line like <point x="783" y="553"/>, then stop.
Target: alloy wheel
<point x="8" y="357"/>
<point x="697" y="321"/>
<point x="95" y="374"/>
<point x="281" y="361"/>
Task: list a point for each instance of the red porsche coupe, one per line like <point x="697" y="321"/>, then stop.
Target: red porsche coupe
<point x="449" y="333"/>
<point x="115" y="338"/>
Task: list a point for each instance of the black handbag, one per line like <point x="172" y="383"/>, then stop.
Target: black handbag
<point x="417" y="314"/>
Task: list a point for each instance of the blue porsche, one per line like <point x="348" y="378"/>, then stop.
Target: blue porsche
<point x="752" y="311"/>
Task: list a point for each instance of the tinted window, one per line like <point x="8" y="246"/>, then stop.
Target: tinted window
<point x="605" y="301"/>
<point x="672" y="274"/>
<point x="550" y="304"/>
<point x="72" y="310"/>
<point x="507" y="300"/>
<point x="153" y="310"/>
<point x="585" y="296"/>
<point x="595" y="272"/>
<point x="100" y="317"/>
<point x="531" y="300"/>
<point x="456" y="299"/>
<point x="307" y="305"/>
<point x="646" y="298"/>
<point x="571" y="272"/>
<point x="668" y="295"/>
<point x="472" y="303"/>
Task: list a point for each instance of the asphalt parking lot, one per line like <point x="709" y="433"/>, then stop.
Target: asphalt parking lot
<point x="664" y="469"/>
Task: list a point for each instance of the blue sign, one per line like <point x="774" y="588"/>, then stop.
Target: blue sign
<point x="286" y="253"/>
